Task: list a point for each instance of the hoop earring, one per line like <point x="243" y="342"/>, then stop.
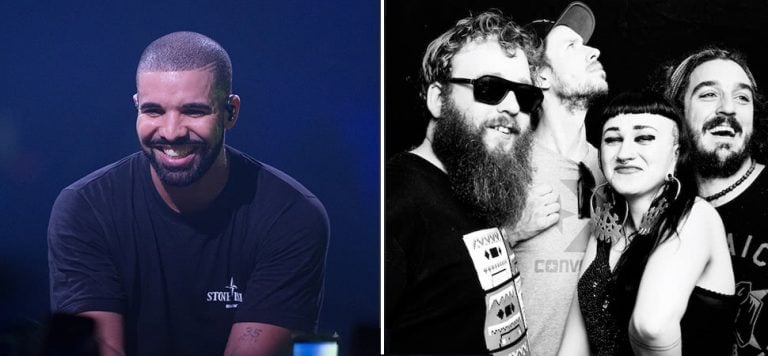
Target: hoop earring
<point x="678" y="185"/>
<point x="653" y="215"/>
<point x="605" y="222"/>
<point x="659" y="206"/>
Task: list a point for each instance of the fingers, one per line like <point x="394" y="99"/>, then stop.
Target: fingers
<point x="541" y="189"/>
<point x="545" y="206"/>
<point x="546" y="221"/>
<point x="550" y="208"/>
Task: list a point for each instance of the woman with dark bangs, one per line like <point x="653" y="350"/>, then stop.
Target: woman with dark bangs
<point x="656" y="278"/>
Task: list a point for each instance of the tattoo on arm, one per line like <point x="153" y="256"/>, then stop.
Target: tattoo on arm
<point x="250" y="335"/>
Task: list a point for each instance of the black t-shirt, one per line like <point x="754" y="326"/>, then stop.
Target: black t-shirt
<point x="746" y="226"/>
<point x="257" y="254"/>
<point x="436" y="299"/>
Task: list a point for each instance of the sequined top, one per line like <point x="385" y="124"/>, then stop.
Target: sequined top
<point x="709" y="315"/>
<point x="596" y="302"/>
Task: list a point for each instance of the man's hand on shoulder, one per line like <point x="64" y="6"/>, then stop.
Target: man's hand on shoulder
<point x="255" y="339"/>
<point x="542" y="210"/>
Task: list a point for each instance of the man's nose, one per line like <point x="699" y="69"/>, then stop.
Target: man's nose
<point x="726" y="105"/>
<point x="509" y="104"/>
<point x="172" y="126"/>
<point x="593" y="53"/>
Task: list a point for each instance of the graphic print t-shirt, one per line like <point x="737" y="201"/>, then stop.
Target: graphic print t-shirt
<point x="746" y="227"/>
<point x="550" y="261"/>
<point x="450" y="286"/>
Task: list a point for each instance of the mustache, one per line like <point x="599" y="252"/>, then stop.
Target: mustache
<point x="179" y="141"/>
<point x="506" y="122"/>
<point x="720" y="120"/>
<point x="596" y="65"/>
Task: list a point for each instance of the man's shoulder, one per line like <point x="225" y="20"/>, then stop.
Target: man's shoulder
<point x="111" y="175"/>
<point x="97" y="192"/>
<point x="270" y="182"/>
<point x="409" y="171"/>
<point x="752" y="198"/>
<point x="758" y="187"/>
<point x="414" y="184"/>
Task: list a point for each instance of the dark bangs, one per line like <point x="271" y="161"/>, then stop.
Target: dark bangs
<point x="640" y="103"/>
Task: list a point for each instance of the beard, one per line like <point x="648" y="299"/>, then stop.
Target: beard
<point x="493" y="184"/>
<point x="182" y="177"/>
<point x="579" y="96"/>
<point x="710" y="164"/>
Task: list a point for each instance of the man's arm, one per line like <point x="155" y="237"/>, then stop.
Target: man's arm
<point x="83" y="278"/>
<point x="109" y="332"/>
<point x="284" y="292"/>
<point x="258" y="339"/>
<point x="542" y="210"/>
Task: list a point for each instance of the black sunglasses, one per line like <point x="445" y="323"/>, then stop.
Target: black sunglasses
<point x="491" y="90"/>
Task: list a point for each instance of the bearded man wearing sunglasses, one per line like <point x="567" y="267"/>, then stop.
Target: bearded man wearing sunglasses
<point x="451" y="284"/>
<point x="551" y="238"/>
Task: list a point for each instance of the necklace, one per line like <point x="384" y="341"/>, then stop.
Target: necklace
<point x="733" y="186"/>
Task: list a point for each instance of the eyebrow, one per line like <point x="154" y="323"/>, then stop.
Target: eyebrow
<point x="641" y="127"/>
<point x="150" y="105"/>
<point x="197" y="106"/>
<point x="192" y="106"/>
<point x="636" y="127"/>
<point x="709" y="83"/>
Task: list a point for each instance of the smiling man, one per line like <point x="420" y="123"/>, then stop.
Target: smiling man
<point x="451" y="284"/>
<point x="189" y="247"/>
<point x="718" y="95"/>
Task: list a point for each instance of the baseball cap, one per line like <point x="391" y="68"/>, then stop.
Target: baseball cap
<point x="577" y="16"/>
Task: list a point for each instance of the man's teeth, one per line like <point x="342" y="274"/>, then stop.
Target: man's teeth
<point x="502" y="129"/>
<point x="723" y="131"/>
<point x="177" y="152"/>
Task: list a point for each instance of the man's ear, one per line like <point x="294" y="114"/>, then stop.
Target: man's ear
<point x="136" y="100"/>
<point x="233" y="110"/>
<point x="542" y="77"/>
<point x="435" y="99"/>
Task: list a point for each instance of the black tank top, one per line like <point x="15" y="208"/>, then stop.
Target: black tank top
<point x="707" y="326"/>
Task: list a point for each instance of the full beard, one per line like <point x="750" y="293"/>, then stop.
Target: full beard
<point x="207" y="155"/>
<point x="709" y="164"/>
<point x="493" y="184"/>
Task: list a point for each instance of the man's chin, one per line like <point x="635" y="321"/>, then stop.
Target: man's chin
<point x="599" y="88"/>
<point x="177" y="177"/>
<point x="721" y="162"/>
<point x="503" y="145"/>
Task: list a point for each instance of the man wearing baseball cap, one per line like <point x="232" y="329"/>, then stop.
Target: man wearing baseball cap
<point x="551" y="238"/>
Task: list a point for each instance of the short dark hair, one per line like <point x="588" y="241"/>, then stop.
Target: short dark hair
<point x="180" y="51"/>
<point x="436" y="65"/>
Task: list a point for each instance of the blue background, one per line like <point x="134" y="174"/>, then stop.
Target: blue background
<point x="308" y="76"/>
